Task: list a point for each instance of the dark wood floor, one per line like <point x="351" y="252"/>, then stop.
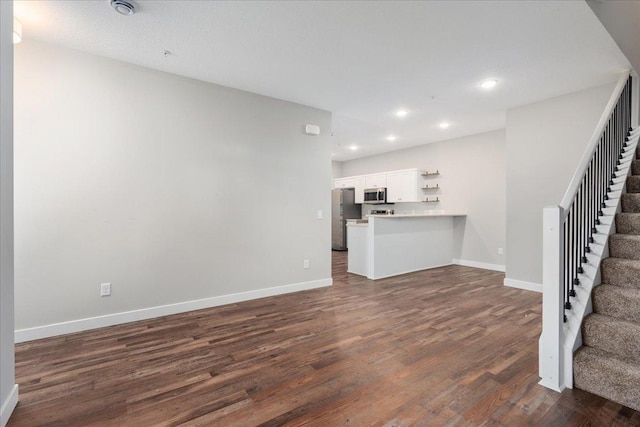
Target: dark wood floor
<point x="448" y="346"/>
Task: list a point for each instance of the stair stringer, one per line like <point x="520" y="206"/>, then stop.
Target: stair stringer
<point x="581" y="303"/>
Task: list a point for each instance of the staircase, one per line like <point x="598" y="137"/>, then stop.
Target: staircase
<point x="608" y="363"/>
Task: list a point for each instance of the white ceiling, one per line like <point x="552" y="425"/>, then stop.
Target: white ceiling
<point x="360" y="60"/>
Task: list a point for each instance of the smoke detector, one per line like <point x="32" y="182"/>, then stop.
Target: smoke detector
<point x="124" y="7"/>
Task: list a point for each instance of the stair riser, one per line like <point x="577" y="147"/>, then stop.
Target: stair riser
<point x="627" y="278"/>
<point x="633" y="184"/>
<point x="612" y="335"/>
<point x="631" y="203"/>
<point x="619" y="274"/>
<point x="622" y="247"/>
<point x="635" y="167"/>
<point x="628" y="223"/>
<point x="599" y="378"/>
<point x="614" y="301"/>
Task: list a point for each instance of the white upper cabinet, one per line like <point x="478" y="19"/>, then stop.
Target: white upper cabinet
<point x="348" y="182"/>
<point x="404" y="186"/>
<point x="355" y="182"/>
<point x="378" y="180"/>
<point x="359" y="184"/>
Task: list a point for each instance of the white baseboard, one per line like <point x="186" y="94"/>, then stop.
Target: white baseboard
<point x="521" y="284"/>
<point x="551" y="386"/>
<point x="476" y="264"/>
<point x="8" y="406"/>
<point x="38" y="332"/>
<point x="407" y="272"/>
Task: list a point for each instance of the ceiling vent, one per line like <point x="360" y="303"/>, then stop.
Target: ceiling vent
<point x="123" y="7"/>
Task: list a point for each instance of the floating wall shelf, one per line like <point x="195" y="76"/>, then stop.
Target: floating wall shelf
<point x="433" y="187"/>
<point x="437" y="172"/>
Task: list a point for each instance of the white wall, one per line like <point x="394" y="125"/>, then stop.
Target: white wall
<point x="336" y="169"/>
<point x="8" y="388"/>
<point x="472" y="181"/>
<point x="621" y="18"/>
<point x="169" y="188"/>
<point x="545" y="143"/>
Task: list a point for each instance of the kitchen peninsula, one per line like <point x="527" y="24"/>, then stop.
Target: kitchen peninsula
<point x="389" y="245"/>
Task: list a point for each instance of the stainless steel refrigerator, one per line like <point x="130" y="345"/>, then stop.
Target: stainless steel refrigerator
<point x="343" y="207"/>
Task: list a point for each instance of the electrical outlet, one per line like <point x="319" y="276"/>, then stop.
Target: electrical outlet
<point x="500" y="251"/>
<point x="105" y="289"/>
<point x="319" y="214"/>
<point x="305" y="264"/>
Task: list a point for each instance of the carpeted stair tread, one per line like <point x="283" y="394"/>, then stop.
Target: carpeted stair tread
<point x="624" y="246"/>
<point x="607" y="375"/>
<point x="618" y="302"/>
<point x="633" y="184"/>
<point x="613" y="335"/>
<point x="628" y="223"/>
<point x="621" y="272"/>
<point x="631" y="202"/>
<point x="608" y="363"/>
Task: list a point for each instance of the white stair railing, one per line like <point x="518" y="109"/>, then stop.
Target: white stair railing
<point x="573" y="229"/>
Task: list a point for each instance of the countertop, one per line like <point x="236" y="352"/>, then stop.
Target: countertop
<point x="418" y="215"/>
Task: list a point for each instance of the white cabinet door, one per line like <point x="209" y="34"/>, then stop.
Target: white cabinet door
<point x="378" y="180"/>
<point x="359" y="184"/>
<point x="403" y="186"/>
<point x="348" y="182"/>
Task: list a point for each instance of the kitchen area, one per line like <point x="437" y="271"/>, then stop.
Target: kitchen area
<point x="374" y="218"/>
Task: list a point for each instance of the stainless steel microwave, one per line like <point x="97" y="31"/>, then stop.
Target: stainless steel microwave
<point x="375" y="196"/>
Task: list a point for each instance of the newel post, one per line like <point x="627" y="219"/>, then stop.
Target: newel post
<point x="551" y="357"/>
<point x="635" y="100"/>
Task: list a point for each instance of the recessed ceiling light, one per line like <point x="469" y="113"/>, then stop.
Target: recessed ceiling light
<point x="488" y="84"/>
<point x="124" y="7"/>
<point x="353" y="147"/>
<point x="444" y="125"/>
<point x="401" y="113"/>
<point x="392" y="138"/>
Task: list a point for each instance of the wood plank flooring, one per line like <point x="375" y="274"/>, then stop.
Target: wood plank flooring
<point x="447" y="346"/>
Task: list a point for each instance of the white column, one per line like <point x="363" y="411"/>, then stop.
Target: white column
<point x="8" y="388"/>
<point x="635" y="100"/>
<point x="551" y="357"/>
